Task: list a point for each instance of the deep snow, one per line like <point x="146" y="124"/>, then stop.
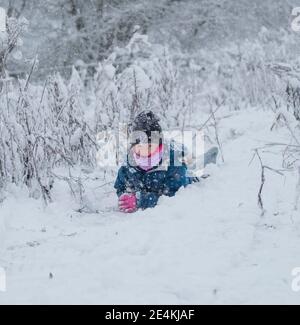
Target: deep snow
<point x="208" y="244"/>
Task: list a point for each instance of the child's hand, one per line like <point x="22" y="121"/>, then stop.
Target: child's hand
<point x="127" y="203"/>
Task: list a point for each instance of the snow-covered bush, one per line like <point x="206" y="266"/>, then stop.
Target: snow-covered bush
<point x="41" y="129"/>
<point x="10" y="42"/>
<point x="245" y="73"/>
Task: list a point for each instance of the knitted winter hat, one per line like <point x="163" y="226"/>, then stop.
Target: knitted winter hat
<point x="146" y="123"/>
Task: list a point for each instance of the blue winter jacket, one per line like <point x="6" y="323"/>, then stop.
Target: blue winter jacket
<point x="161" y="180"/>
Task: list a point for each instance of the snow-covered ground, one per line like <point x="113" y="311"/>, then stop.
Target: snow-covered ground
<point x="208" y="244"/>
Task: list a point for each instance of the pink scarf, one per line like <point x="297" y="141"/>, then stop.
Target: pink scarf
<point x="146" y="163"/>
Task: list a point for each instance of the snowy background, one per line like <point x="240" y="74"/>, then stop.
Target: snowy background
<point x="70" y="72"/>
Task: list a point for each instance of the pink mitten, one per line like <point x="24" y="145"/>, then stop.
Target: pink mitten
<point x="127" y="203"/>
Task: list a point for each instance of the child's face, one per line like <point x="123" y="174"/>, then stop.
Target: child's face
<point x="145" y="149"/>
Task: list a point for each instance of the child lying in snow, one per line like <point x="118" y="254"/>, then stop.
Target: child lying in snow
<point x="151" y="169"/>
